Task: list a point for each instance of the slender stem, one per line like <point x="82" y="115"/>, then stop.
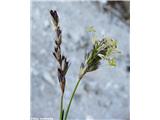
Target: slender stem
<point x="80" y="77"/>
<point x="61" y="108"/>
<point x="65" y="118"/>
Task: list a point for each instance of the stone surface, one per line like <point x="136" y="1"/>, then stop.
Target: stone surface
<point x="102" y="94"/>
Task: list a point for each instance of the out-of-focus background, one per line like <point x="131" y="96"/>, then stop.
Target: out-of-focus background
<point x="102" y="94"/>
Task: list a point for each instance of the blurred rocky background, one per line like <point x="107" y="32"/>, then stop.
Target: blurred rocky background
<point x="102" y="94"/>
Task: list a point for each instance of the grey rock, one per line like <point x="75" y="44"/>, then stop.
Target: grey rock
<point x="48" y="78"/>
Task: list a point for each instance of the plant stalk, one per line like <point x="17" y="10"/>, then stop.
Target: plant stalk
<point x="74" y="91"/>
<point x="61" y="108"/>
<point x="65" y="118"/>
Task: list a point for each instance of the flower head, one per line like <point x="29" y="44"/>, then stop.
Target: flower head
<point x="101" y="50"/>
<point x="61" y="59"/>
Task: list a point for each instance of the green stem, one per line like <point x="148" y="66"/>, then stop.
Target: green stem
<point x="61" y="109"/>
<point x="80" y="77"/>
<point x="65" y="118"/>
